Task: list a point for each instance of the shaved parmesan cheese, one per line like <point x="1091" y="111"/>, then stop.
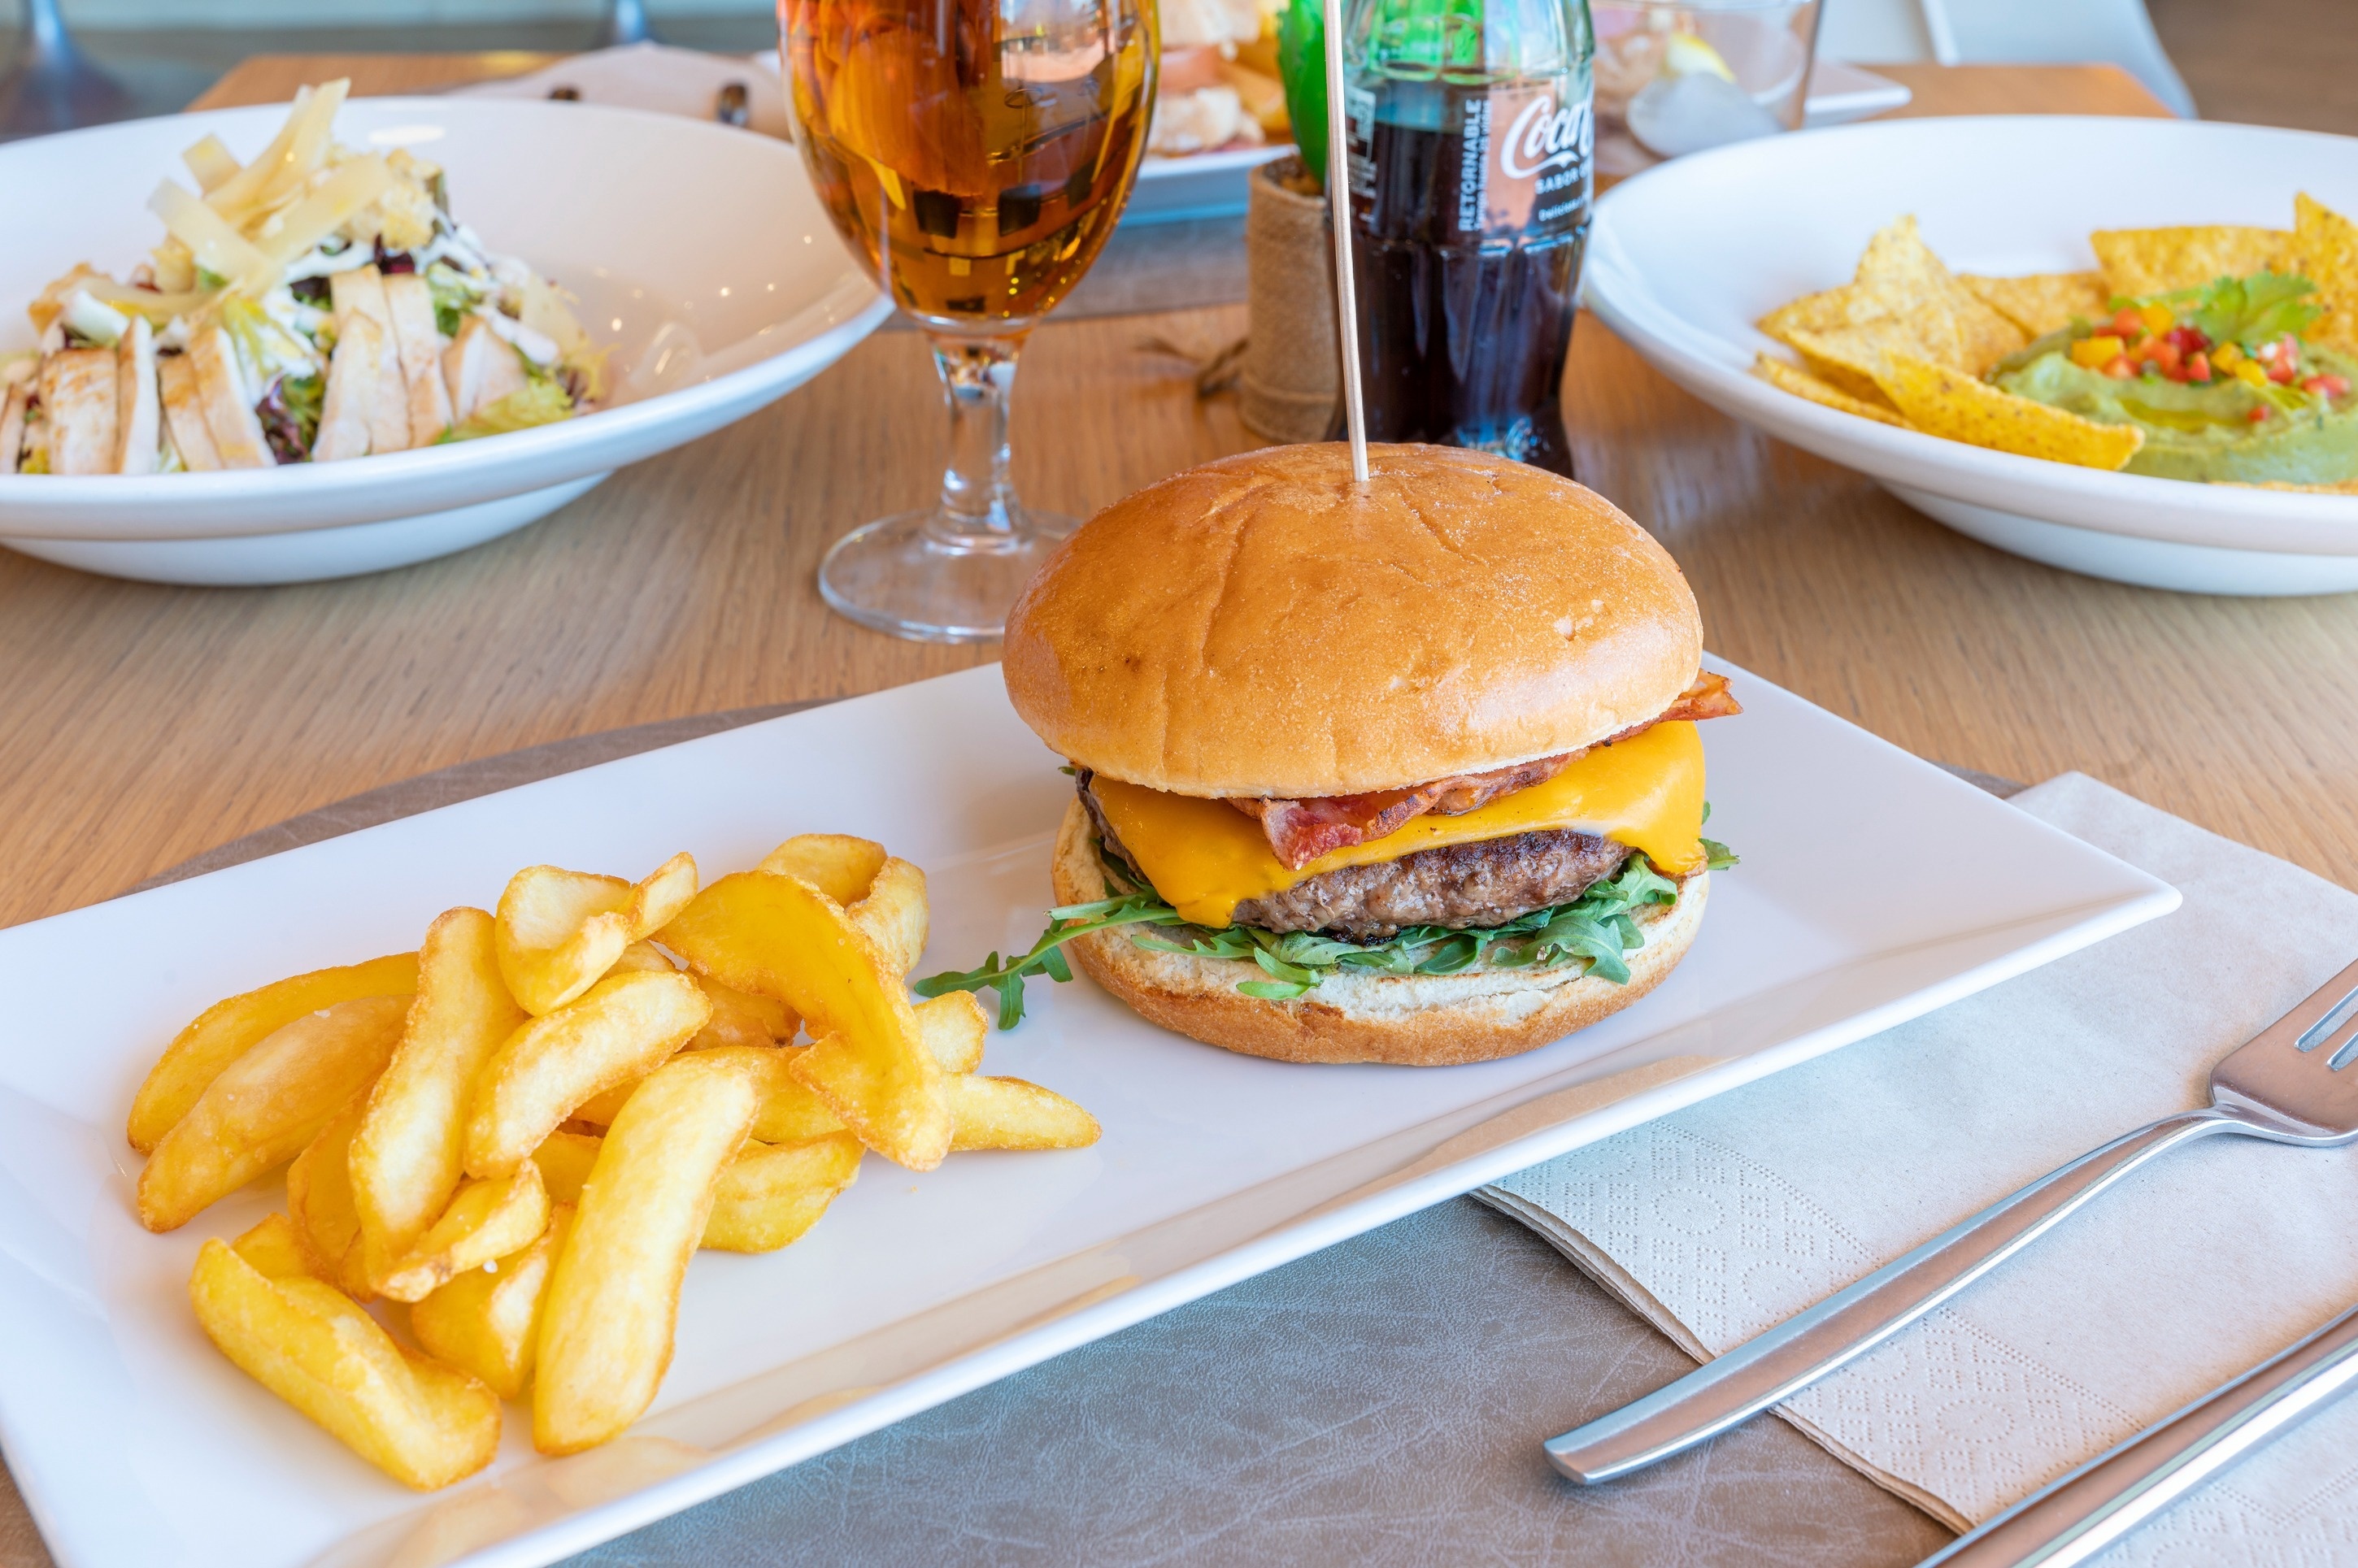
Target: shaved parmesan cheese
<point x="288" y="161"/>
<point x="210" y="162"/>
<point x="323" y="211"/>
<point x="218" y="248"/>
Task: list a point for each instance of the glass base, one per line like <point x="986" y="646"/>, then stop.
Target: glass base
<point x="917" y="576"/>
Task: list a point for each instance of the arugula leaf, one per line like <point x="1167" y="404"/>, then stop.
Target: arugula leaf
<point x="1718" y="856"/>
<point x="1045" y="959"/>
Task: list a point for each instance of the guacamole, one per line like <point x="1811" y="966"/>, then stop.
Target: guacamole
<point x="2219" y="378"/>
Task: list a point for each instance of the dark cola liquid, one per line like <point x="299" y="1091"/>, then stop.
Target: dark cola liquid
<point x="1467" y="235"/>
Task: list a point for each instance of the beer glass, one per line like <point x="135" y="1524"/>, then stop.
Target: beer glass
<point x="976" y="154"/>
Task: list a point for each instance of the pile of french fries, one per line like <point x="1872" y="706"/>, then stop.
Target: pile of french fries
<point x="524" y="1130"/>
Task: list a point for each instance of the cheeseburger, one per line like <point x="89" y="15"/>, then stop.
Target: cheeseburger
<point x="1399" y="772"/>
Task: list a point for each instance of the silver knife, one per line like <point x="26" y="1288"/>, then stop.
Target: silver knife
<point x="2079" y="1515"/>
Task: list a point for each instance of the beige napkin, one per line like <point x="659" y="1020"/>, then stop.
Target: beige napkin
<point x="655" y="77"/>
<point x="1722" y="1220"/>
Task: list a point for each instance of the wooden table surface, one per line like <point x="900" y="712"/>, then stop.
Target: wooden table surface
<point x="143" y="724"/>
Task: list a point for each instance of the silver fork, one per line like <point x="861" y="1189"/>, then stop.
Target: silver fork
<point x="2285" y="1085"/>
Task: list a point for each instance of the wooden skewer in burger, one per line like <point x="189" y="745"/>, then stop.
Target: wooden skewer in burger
<point x="1398" y="770"/>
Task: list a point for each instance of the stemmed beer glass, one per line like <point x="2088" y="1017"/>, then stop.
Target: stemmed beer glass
<point x="976" y="154"/>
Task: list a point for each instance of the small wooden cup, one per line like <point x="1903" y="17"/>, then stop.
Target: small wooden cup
<point x="1293" y="368"/>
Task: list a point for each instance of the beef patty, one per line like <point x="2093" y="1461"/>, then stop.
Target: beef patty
<point x="1485" y="883"/>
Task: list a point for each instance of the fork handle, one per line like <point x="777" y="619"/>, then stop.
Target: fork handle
<point x="1774" y="1366"/>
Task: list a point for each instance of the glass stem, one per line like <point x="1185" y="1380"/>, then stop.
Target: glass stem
<point x="979" y="510"/>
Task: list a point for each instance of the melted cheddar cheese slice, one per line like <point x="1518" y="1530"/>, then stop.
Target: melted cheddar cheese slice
<point x="1205" y="856"/>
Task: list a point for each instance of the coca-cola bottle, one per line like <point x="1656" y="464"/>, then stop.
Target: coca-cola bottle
<point x="1470" y="143"/>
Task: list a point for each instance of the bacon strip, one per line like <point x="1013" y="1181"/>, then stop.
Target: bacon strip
<point x="1301" y="830"/>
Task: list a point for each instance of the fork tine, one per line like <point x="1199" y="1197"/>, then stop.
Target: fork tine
<point x="2330" y="1020"/>
<point x="2342" y="1046"/>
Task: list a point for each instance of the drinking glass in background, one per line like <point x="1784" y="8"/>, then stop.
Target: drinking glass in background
<point x="976" y="154"/>
<point x="1673" y="79"/>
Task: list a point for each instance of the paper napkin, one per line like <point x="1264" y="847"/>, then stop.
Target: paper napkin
<point x="1725" y="1218"/>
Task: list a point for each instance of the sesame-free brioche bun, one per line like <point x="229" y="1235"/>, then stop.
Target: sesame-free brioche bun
<point x="1414" y="1021"/>
<point x="1262" y="626"/>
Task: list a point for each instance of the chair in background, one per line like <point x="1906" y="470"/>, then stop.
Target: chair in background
<point x="2008" y="32"/>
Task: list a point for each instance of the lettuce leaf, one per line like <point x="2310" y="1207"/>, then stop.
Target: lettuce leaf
<point x="539" y="403"/>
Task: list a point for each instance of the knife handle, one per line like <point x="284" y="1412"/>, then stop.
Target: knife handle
<point x="2081" y="1513"/>
<point x="1773" y="1365"/>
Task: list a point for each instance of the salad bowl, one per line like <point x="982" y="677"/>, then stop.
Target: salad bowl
<point x="696" y="255"/>
<point x="1684" y="258"/>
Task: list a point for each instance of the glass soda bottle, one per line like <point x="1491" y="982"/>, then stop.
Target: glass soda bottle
<point x="1471" y="137"/>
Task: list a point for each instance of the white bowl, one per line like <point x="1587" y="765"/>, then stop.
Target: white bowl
<point x="699" y="252"/>
<point x="1684" y="258"/>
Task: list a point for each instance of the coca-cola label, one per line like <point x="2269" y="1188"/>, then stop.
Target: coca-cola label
<point x="1527" y="170"/>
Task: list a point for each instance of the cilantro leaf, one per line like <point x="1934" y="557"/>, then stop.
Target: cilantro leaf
<point x="2249" y="310"/>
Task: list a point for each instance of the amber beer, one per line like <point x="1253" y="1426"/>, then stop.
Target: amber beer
<point x="978" y="151"/>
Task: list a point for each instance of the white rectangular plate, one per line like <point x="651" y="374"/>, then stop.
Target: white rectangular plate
<point x="1874" y="888"/>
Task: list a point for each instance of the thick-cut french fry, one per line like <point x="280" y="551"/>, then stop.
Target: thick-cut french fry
<point x="422" y="1423"/>
<point x="485" y="1222"/>
<point x="644" y="954"/>
<point x="406" y="1157"/>
<point x="740" y="1018"/>
<point x="895" y="914"/>
<point x="487" y="1321"/>
<point x="621" y="1030"/>
<point x="560" y="930"/>
<point x="781" y="937"/>
<point x="837" y="864"/>
<point x="772" y="1193"/>
<point x="565" y="1159"/>
<point x="227" y="1029"/>
<point x="954" y="1026"/>
<point x="885" y="896"/>
<point x="262" y="1111"/>
<point x="600" y="1109"/>
<point x="792" y="1112"/>
<point x="319" y="1200"/>
<point x="1009" y="1113"/>
<point x="613" y="1299"/>
<point x="274" y="1247"/>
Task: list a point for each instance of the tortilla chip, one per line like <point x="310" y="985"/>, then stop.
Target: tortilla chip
<point x="1819" y="312"/>
<point x="1903" y="299"/>
<point x="2326" y="247"/>
<point x="2043" y="302"/>
<point x="2157" y="260"/>
<point x="1801" y="383"/>
<point x="1900" y="269"/>
<point x="1941" y="402"/>
<point x="1854" y="358"/>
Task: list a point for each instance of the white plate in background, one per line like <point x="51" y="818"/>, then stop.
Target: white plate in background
<point x="700" y="255"/>
<point x="1874" y="888"/>
<point x="1685" y="257"/>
